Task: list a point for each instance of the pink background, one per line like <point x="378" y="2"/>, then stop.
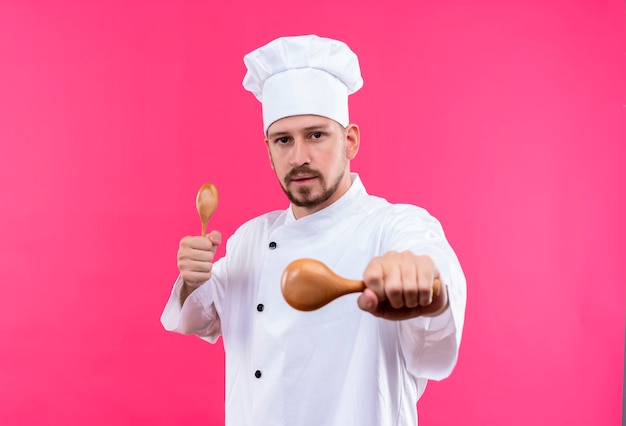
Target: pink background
<point x="505" y="119"/>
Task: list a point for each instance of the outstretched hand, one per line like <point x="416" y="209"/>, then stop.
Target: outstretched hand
<point x="400" y="286"/>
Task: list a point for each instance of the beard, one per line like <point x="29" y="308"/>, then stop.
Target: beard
<point x="302" y="197"/>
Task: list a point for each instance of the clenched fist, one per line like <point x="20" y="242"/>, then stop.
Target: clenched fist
<point x="195" y="258"/>
<point x="400" y="286"/>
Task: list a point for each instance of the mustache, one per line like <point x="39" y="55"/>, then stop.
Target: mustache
<point x="303" y="169"/>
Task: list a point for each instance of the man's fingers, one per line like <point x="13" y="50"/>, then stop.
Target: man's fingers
<point x="424" y="289"/>
<point x="200" y="255"/>
<point x="402" y="285"/>
<point x="426" y="274"/>
<point x="393" y="281"/>
<point x="386" y="311"/>
<point x="196" y="266"/>
<point x="373" y="277"/>
<point x="199" y="248"/>
<point x="196" y="242"/>
<point x="195" y="257"/>
<point x="409" y="288"/>
<point x="368" y="301"/>
<point x="196" y="272"/>
<point x="215" y="237"/>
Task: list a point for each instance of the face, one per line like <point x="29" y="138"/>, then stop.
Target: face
<point x="311" y="157"/>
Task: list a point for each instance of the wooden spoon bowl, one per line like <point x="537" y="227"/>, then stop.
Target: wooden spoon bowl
<point x="206" y="203"/>
<point x="308" y="284"/>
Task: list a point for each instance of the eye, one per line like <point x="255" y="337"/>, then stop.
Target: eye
<point x="282" y="140"/>
<point x="316" y="135"/>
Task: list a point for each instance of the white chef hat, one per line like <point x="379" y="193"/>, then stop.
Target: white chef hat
<point x="303" y="75"/>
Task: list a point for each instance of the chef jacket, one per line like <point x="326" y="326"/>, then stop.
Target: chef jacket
<point x="337" y="365"/>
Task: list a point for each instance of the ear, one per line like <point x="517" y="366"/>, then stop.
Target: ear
<point x="269" y="154"/>
<point x="353" y="140"/>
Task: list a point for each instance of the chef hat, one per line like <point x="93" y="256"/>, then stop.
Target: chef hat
<point x="303" y="75"/>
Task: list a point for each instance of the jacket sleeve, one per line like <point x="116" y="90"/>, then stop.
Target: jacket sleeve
<point x="199" y="314"/>
<point x="430" y="345"/>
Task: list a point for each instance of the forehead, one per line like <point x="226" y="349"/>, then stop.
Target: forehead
<point x="299" y="123"/>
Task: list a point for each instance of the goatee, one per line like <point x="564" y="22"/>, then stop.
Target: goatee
<point x="302" y="196"/>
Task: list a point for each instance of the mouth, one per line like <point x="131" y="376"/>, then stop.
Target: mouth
<point x="302" y="179"/>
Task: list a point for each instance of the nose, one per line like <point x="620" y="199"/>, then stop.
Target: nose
<point x="299" y="153"/>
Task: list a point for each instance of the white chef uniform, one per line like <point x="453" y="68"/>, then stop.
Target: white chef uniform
<point x="338" y="365"/>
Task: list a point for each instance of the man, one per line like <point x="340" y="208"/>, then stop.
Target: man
<point x="362" y="359"/>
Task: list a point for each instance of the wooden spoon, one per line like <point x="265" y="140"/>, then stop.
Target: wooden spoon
<point x="308" y="284"/>
<point x="206" y="202"/>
